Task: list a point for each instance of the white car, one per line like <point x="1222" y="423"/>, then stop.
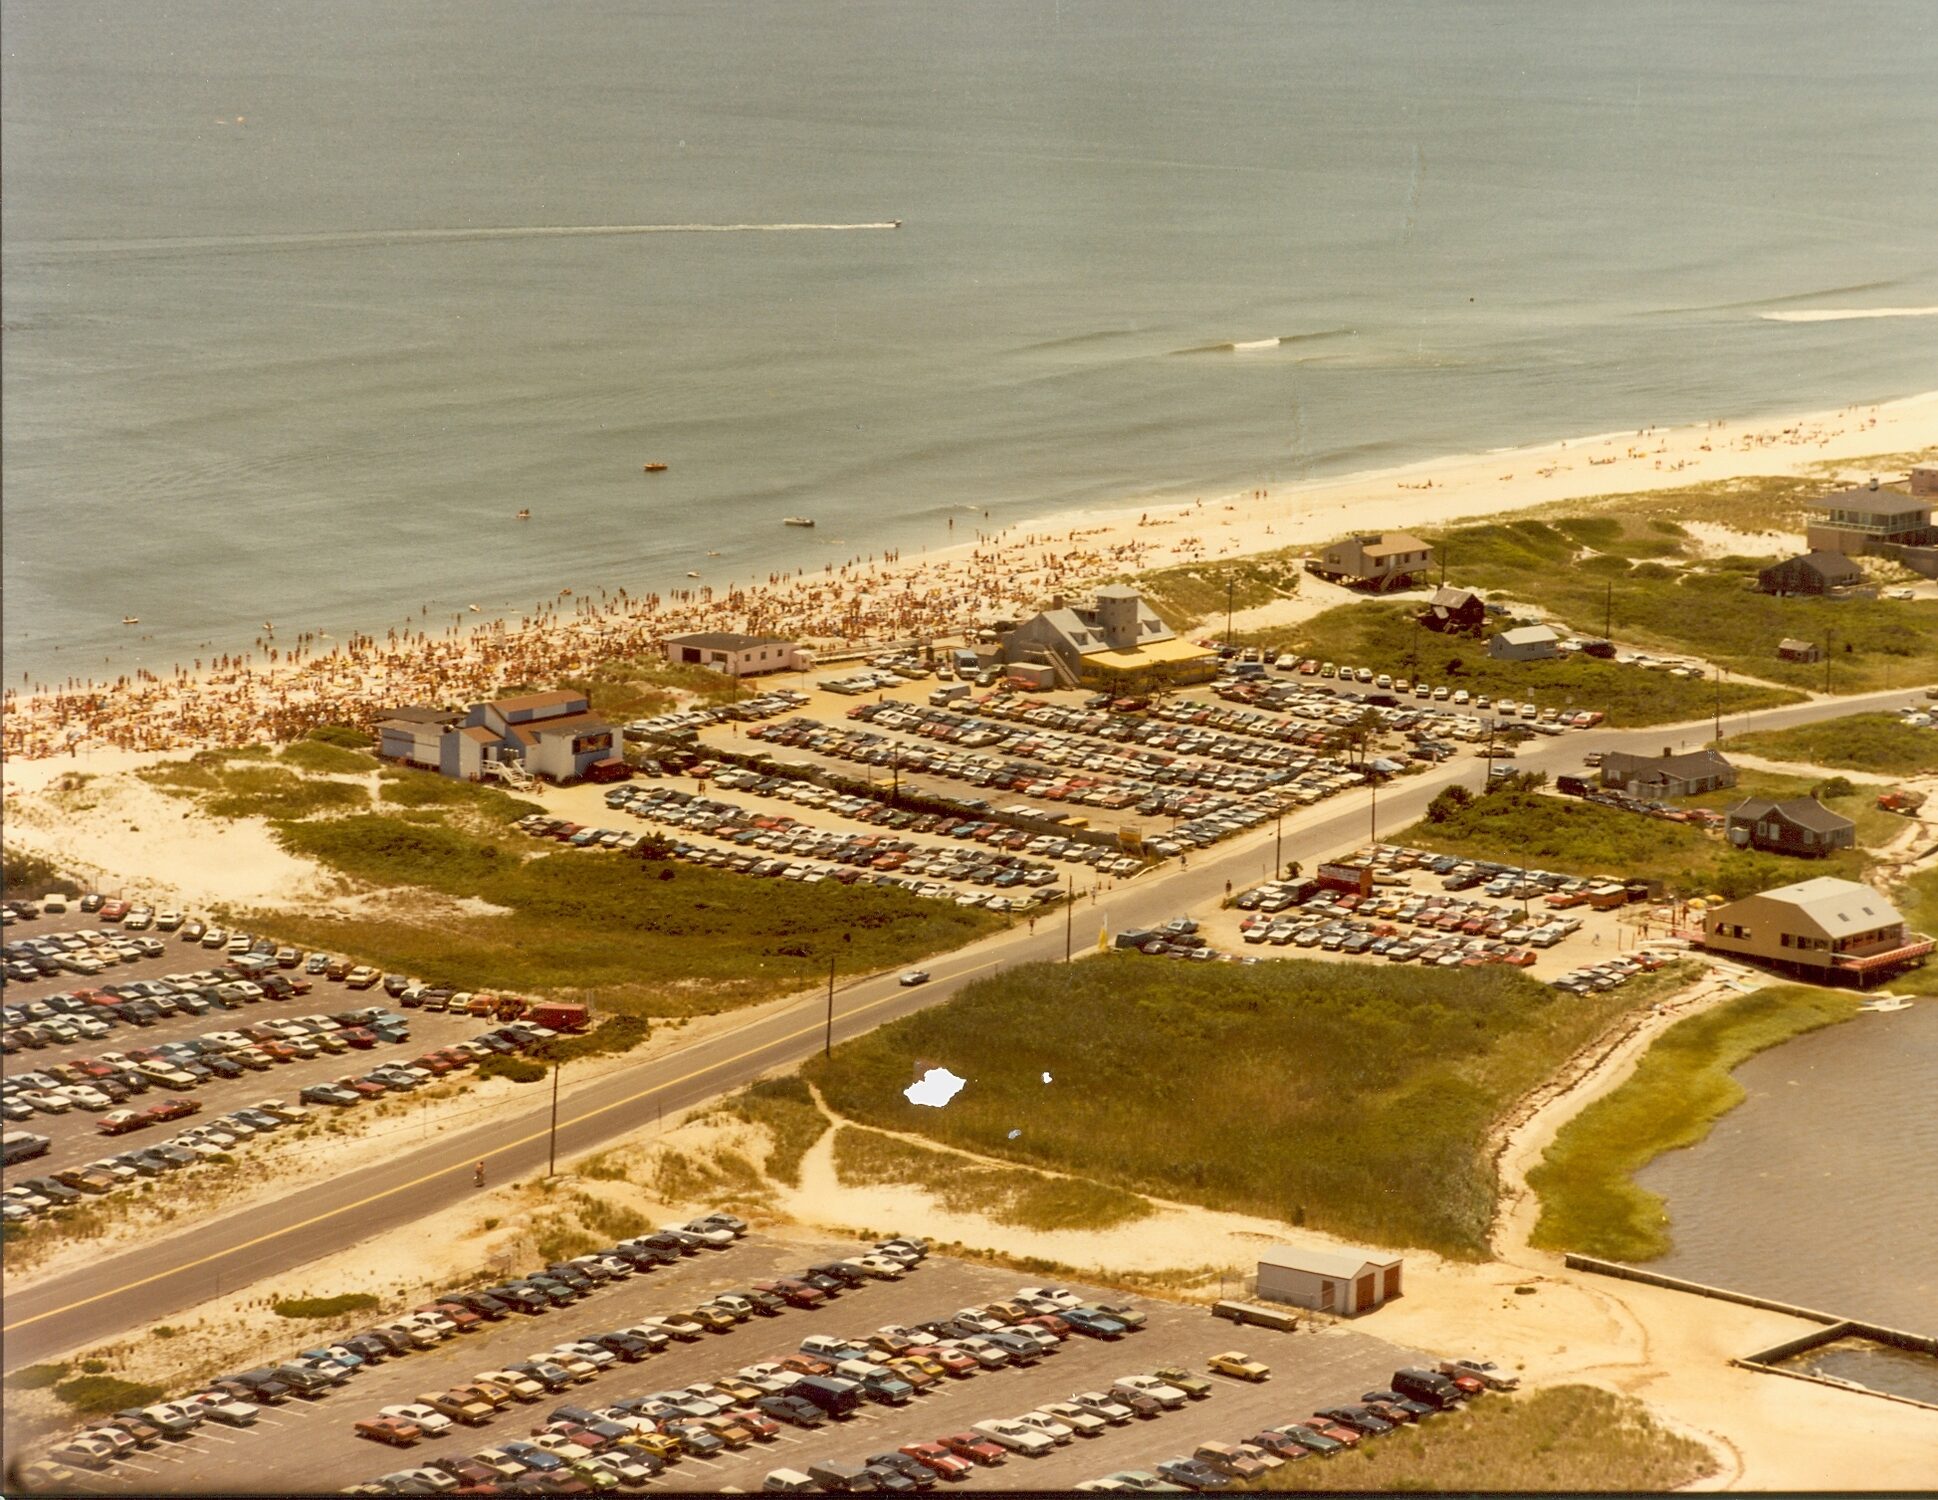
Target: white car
<point x="1056" y="1431"/>
<point x="1080" y="1421"/>
<point x="882" y="1267"/>
<point x="1167" y="1396"/>
<point x="434" y="1423"/>
<point x="1097" y="1404"/>
<point x="1016" y="1437"/>
<point x="226" y="1410"/>
<point x="1058" y="1297"/>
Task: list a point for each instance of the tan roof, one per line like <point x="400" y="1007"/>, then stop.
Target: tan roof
<point x="556" y="699"/>
<point x="1395" y="541"/>
<point x="479" y="733"/>
<point x="1838" y="907"/>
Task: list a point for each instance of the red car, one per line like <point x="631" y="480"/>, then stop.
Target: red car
<point x="363" y="1087"/>
<point x="172" y="1109"/>
<point x="807" y="1364"/>
<point x="793" y="1293"/>
<point x="761" y="1427"/>
<point x="113" y="911"/>
<point x="356" y="1036"/>
<point x="938" y="1460"/>
<point x="280" y="1052"/>
<point x="977" y="1450"/>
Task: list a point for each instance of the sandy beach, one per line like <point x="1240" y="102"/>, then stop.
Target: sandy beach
<point x="281" y="686"/>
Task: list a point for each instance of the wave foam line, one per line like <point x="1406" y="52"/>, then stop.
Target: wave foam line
<point x="1839" y="314"/>
<point x="353" y="238"/>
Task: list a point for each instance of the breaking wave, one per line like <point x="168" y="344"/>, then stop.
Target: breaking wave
<point x="1839" y="314"/>
<point x="1254" y="346"/>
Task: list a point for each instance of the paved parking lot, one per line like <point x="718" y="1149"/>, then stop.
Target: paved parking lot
<point x="74" y="1135"/>
<point x="309" y="1446"/>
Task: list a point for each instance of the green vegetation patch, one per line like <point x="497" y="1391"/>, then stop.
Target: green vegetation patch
<point x="1879" y="743"/>
<point x="1589" y="1202"/>
<point x="1192" y="593"/>
<point x="517" y="1069"/>
<point x="792" y="1119"/>
<point x="38" y="1377"/>
<point x="1564" y="1437"/>
<point x="25" y="875"/>
<point x="1388" y="638"/>
<point x="236" y="784"/>
<point x="1282" y="1089"/>
<point x="326" y="757"/>
<point x="639" y="687"/>
<point x="325" y="1307"/>
<point x="88" y="1395"/>
<point x="427" y="789"/>
<point x="1917" y="899"/>
<point x="1008" y="1195"/>
<point x="650" y="938"/>
<point x="1552" y="832"/>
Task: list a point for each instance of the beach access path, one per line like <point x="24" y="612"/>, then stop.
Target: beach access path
<point x="123" y="1291"/>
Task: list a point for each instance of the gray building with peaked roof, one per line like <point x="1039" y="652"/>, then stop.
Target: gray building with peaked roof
<point x="1667" y="775"/>
<point x="1811" y="573"/>
<point x="1798" y="825"/>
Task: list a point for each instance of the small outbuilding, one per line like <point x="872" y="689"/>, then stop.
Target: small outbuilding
<point x="733" y="654"/>
<point x="1525" y="643"/>
<point x="1454" y="609"/>
<point x="1791" y="649"/>
<point x="1345" y="1282"/>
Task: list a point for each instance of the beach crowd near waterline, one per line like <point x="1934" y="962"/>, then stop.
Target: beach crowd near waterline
<point x="277" y="692"/>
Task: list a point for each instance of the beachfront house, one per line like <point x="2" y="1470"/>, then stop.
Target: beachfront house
<point x="1525" y="643"/>
<point x="1667" y="774"/>
<point x="732" y="654"/>
<point x="1344" y="1282"/>
<point x="1379" y="561"/>
<point x="551" y="735"/>
<point x="1827" y="930"/>
<point x="1811" y="573"/>
<point x="1115" y="642"/>
<point x="1878" y="522"/>
<point x="1454" y="609"/>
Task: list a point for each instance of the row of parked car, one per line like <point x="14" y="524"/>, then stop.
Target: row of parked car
<point x="581" y="1448"/>
<point x="237" y="1400"/>
<point x="1444" y="931"/>
<point x="1413" y="1395"/>
<point x="683" y="724"/>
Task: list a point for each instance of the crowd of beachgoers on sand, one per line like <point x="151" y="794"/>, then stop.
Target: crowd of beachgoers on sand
<point x="277" y="692"/>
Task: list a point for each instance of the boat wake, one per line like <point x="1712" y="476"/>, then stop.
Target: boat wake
<point x="1257" y="346"/>
<point x="360" y="238"/>
<point x="1840" y="314"/>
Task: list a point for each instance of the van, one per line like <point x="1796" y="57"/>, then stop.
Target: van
<point x="842" y="1479"/>
<point x="946" y="695"/>
<point x="837" y="1398"/>
<point x="1426" y="1385"/>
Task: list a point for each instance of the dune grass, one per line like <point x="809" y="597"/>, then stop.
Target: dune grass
<point x="1191" y="594"/>
<point x="1575" y="1438"/>
<point x="1879" y="743"/>
<point x="325" y="1307"/>
<point x="649" y="938"/>
<point x="789" y="1114"/>
<point x="1386" y="637"/>
<point x="1589" y="1201"/>
<point x="240" y="784"/>
<point x="1347" y="1096"/>
<point x="1008" y="1195"/>
<point x="323" y="754"/>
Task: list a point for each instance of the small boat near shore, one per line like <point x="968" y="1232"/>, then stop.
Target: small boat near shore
<point x="523" y="515"/>
<point x="131" y="619"/>
<point x="653" y="468"/>
<point x="807" y="521"/>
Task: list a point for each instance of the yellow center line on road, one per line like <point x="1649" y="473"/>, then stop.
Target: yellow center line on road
<point x="415" y="1182"/>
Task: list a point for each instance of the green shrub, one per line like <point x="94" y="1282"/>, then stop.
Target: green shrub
<point x="343" y="736"/>
<point x="324" y="758"/>
<point x="517" y="1069"/>
<point x="325" y="1307"/>
<point x="38" y="1377"/>
<point x="93" y="1366"/>
<point x="89" y="1395"/>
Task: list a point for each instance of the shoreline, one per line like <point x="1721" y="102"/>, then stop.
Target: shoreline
<point x="278" y="688"/>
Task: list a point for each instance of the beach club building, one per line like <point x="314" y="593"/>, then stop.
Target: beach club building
<point x="1116" y="642"/>
<point x="1827" y="930"/>
<point x="1344" y="1282"/>
<point x="734" y="655"/>
<point x="1525" y="643"/>
<point x="551" y="735"/>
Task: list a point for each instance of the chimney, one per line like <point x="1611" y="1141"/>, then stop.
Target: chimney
<point x="1665" y="752"/>
<point x="1874" y="484"/>
<point x="1056" y="601"/>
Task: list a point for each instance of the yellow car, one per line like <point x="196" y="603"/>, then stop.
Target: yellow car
<point x="712" y="1319"/>
<point x="662" y="1447"/>
<point x="923" y="1363"/>
<point x="1239" y="1366"/>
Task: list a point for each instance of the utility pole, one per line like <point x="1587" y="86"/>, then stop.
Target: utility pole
<point x="1830" y="639"/>
<point x="1719" y="705"/>
<point x="1608" y="612"/>
<point x="1230" y="584"/>
<point x="1373" y="822"/>
<point x="827" y="1047"/>
<point x="1278" y="852"/>
<point x="552" y="1142"/>
<point x="1070" y="920"/>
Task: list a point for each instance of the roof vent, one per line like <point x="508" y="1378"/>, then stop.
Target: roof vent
<point x="1874" y="482"/>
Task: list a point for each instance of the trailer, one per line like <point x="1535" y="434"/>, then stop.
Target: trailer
<point x="1250" y="1313"/>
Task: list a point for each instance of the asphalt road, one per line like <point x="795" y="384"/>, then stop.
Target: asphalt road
<point x="155" y="1279"/>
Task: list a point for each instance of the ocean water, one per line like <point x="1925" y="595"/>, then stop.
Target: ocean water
<point x="264" y="357"/>
<point x="1821" y="1188"/>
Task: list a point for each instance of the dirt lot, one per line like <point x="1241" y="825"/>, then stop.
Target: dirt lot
<point x="310" y="1447"/>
